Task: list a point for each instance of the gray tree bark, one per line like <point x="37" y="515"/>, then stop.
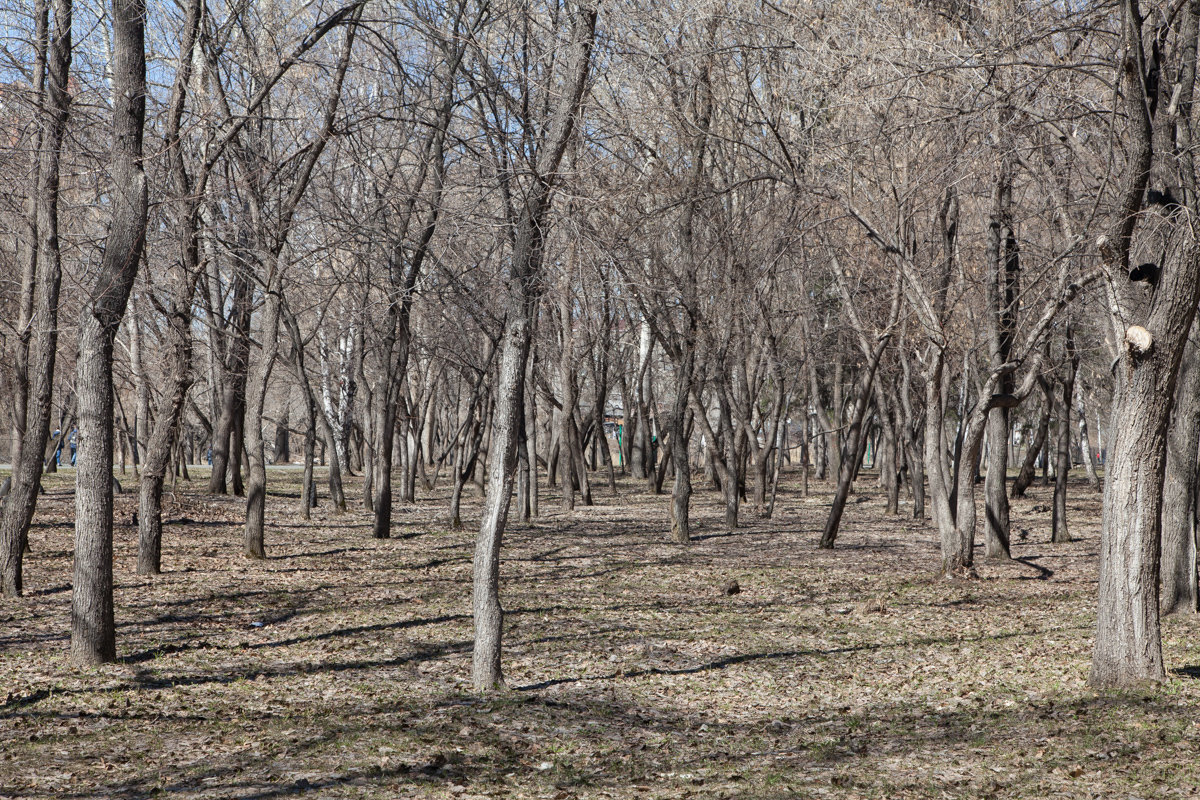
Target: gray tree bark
<point x="93" y="632"/>
<point x="184" y="278"/>
<point x="1062" y="468"/>
<point x="27" y="471"/>
<point x="1179" y="529"/>
<point x="1128" y="644"/>
<point x="523" y="297"/>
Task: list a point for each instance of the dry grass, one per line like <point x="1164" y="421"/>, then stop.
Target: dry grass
<point x="338" y="667"/>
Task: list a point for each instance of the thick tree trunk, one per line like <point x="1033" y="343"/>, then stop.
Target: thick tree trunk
<point x="1128" y="645"/>
<point x="93" y="632"/>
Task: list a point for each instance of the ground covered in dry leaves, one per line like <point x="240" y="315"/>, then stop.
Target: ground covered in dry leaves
<point x="339" y="666"/>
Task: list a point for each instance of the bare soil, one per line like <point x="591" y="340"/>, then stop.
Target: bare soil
<point x="338" y="667"/>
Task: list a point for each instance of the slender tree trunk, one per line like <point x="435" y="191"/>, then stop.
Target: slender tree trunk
<point x="1179" y="529"/>
<point x="486" y="672"/>
<point x="1063" y="466"/>
<point x="22" y="498"/>
<point x="1089" y="450"/>
<point x="532" y="435"/>
<point x="385" y="433"/>
<point x="254" y="545"/>
<point x="185" y="277"/>
<point x="853" y="436"/>
<point x="522" y="302"/>
<point x="1029" y="465"/>
<point x="681" y="494"/>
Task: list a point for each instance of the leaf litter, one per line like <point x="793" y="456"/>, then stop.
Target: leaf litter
<point x="339" y="667"/>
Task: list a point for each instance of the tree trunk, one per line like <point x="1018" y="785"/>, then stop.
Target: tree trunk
<point x="385" y="432"/>
<point x="681" y="493"/>
<point x="185" y="277"/>
<point x="486" y="672"/>
<point x="1089" y="449"/>
<point x="523" y="297"/>
<point x="93" y="632"/>
<point x="281" y="451"/>
<point x="1179" y="529"/>
<point x="1063" y="465"/>
<point x="1034" y="448"/>
<point x="26" y="475"/>
<point x="254" y="545"/>
<point x="1128" y="645"/>
<point x="853" y="436"/>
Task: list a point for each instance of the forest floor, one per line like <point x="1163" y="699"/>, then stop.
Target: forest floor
<point x="339" y="666"/>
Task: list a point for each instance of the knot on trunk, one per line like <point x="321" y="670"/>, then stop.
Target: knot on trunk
<point x="1138" y="340"/>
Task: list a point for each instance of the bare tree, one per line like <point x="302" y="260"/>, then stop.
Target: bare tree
<point x="522" y="295"/>
<point x="55" y="104"/>
<point x="93" y="632"/>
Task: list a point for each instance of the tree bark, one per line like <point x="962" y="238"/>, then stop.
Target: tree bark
<point x="26" y="476"/>
<point x="681" y="493"/>
<point x="1128" y="644"/>
<point x="1029" y="465"/>
<point x="1179" y="529"/>
<point x="523" y="297"/>
<point x="184" y="279"/>
<point x="1062" y="466"/>
<point x="93" y="632"/>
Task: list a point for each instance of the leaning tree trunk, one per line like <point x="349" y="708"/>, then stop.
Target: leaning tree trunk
<point x="185" y="277"/>
<point x="523" y="298"/>
<point x="26" y="476"/>
<point x="256" y="487"/>
<point x="1029" y="466"/>
<point x="847" y="461"/>
<point x="93" y="632"/>
<point x="158" y="450"/>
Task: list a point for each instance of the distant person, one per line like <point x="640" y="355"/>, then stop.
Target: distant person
<point x="71" y="443"/>
<point x="57" y="448"/>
